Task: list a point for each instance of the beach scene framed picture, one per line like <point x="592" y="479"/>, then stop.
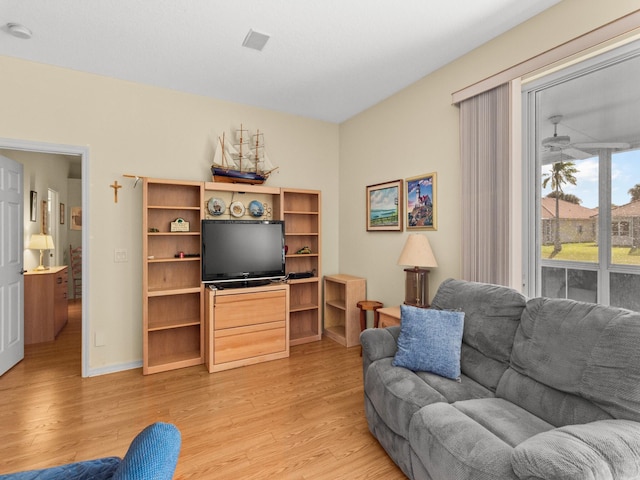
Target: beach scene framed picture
<point x="384" y="206"/>
<point x="421" y="202"/>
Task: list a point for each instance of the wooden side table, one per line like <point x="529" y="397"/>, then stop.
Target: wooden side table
<point x="367" y="306"/>
<point x="388" y="317"/>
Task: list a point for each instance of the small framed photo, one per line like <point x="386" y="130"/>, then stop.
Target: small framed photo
<point x="62" y="214"/>
<point x="384" y="207"/>
<point x="34" y="205"/>
<point x="76" y="218"/>
<point x="421" y="202"/>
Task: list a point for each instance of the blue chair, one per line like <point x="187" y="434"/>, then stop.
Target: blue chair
<point x="153" y="455"/>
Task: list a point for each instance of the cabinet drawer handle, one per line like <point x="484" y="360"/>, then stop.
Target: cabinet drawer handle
<point x="59" y="280"/>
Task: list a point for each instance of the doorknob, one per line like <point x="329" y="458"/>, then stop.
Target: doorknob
<point x="22" y="271"/>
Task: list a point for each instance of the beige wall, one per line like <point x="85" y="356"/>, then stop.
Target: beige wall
<point x="135" y="129"/>
<point x="416" y="132"/>
<point x="148" y="131"/>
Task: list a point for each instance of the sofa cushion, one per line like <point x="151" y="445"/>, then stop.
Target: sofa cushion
<point x="397" y="393"/>
<point x="555" y="406"/>
<point x="583" y="349"/>
<point x="449" y="444"/>
<point x="455" y="391"/>
<point x="492" y="314"/>
<point x="595" y="451"/>
<point x="430" y="341"/>
<point x="505" y="420"/>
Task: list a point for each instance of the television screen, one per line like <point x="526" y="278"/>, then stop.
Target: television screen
<point x="242" y="250"/>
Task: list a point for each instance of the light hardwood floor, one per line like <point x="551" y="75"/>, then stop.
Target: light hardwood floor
<point x="295" y="418"/>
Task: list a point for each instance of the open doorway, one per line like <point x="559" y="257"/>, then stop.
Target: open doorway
<point x="68" y="163"/>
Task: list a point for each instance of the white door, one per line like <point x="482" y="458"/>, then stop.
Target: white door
<point x="11" y="264"/>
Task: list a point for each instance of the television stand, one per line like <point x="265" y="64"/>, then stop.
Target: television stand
<point x="242" y="284"/>
<point x="246" y="326"/>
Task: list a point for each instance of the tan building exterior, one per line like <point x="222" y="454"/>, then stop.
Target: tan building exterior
<point x="577" y="223"/>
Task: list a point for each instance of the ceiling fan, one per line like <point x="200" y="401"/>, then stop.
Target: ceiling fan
<point x="558" y="147"/>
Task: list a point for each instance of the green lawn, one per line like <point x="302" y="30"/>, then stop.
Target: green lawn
<point x="588" y="252"/>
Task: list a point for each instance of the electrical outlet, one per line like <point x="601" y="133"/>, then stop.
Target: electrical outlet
<point x="120" y="255"/>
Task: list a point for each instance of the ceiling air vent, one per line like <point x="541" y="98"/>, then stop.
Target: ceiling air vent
<point x="255" y="40"/>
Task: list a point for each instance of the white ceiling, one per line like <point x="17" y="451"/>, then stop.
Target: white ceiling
<point x="326" y="59"/>
<point x="597" y="105"/>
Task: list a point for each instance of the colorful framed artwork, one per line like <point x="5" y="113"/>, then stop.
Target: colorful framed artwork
<point x="421" y="202"/>
<point x="384" y="207"/>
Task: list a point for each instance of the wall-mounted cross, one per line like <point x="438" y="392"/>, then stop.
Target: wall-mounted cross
<point x="115" y="187"/>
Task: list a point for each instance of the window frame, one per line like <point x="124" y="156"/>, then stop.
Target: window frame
<point x="532" y="228"/>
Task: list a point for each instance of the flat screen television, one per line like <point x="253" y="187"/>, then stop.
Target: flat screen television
<point x="242" y="251"/>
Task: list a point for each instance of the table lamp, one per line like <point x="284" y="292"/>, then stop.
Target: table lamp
<point x="417" y="252"/>
<point x="42" y="242"/>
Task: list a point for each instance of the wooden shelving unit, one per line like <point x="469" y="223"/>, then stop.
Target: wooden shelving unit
<point x="341" y="315"/>
<point x="173" y="294"/>
<point x="173" y="301"/>
<point x="300" y="210"/>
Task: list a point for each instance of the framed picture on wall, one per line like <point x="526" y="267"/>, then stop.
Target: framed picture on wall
<point x="421" y="202"/>
<point x="76" y="218"/>
<point x="384" y="206"/>
<point x="62" y="214"/>
<point x="34" y="205"/>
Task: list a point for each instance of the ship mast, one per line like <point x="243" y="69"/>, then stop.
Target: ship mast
<point x="257" y="154"/>
<point x="240" y="149"/>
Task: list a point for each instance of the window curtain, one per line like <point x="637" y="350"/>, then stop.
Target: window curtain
<point x="484" y="151"/>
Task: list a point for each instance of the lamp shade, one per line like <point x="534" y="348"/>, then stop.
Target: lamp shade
<point x="40" y="241"/>
<point x="417" y="252"/>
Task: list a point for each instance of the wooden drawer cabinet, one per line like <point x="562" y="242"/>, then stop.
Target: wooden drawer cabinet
<point x="247" y="326"/>
<point x="45" y="304"/>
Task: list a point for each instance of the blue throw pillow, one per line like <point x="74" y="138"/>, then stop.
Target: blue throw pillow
<point x="430" y="341"/>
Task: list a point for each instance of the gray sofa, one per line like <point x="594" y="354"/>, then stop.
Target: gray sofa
<point x="550" y="389"/>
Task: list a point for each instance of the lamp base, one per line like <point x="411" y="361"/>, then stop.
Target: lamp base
<point x="416" y="287"/>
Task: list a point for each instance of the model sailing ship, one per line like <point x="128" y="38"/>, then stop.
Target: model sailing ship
<point x="242" y="161"/>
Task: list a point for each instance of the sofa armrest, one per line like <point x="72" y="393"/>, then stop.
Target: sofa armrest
<point x="601" y="449"/>
<point x="99" y="469"/>
<point x="379" y="343"/>
<point x="152" y="454"/>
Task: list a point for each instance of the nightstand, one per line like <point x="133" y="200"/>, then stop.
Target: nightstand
<point x="388" y="317"/>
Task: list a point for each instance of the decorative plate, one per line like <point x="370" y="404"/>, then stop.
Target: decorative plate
<point x="256" y="209"/>
<point x="236" y="209"/>
<point x="216" y="206"/>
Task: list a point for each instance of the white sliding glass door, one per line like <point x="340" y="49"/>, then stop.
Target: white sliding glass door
<point x="582" y="181"/>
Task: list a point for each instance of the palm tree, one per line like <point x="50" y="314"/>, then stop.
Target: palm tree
<point x="635" y="192"/>
<point x="561" y="173"/>
<point x="567" y="197"/>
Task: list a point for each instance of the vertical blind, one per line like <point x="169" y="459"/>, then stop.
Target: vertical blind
<point x="484" y="150"/>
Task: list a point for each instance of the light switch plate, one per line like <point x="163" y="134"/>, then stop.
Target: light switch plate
<point x="120" y="255"/>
